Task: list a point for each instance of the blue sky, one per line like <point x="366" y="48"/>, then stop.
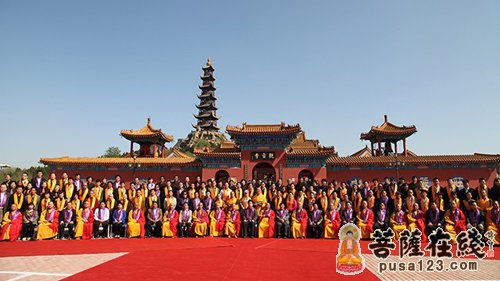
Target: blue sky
<point x="73" y="73"/>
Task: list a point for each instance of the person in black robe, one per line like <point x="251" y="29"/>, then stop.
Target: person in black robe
<point x="249" y="225"/>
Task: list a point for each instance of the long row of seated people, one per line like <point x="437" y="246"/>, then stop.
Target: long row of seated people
<point x="35" y="210"/>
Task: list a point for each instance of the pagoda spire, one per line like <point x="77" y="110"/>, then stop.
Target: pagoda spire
<point x="207" y="110"/>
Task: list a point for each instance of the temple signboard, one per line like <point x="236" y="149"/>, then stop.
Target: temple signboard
<point x="266" y="155"/>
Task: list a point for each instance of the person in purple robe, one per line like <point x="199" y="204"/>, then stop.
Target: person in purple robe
<point x="67" y="222"/>
<point x="475" y="218"/>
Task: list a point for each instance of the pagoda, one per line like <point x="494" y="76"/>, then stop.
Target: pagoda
<point x="207" y="110"/>
<point x="152" y="141"/>
<point x="206" y="132"/>
<point x="389" y="134"/>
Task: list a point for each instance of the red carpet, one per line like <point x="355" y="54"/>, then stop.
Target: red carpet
<point x="202" y="258"/>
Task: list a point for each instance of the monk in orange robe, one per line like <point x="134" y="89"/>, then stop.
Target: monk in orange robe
<point x="12" y="224"/>
<point x="454" y="220"/>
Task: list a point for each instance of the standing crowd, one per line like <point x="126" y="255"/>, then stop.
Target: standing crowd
<point x="74" y="208"/>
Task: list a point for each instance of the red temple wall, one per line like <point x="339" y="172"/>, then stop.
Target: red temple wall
<point x="318" y="172"/>
<point x="472" y="174"/>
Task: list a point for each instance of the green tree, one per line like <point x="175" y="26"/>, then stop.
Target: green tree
<point x="111" y="152"/>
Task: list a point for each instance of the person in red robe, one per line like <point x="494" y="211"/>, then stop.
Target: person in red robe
<point x="12" y="224"/>
<point x="365" y="220"/>
<point x="455" y="221"/>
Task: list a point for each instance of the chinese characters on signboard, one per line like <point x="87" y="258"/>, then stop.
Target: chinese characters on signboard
<point x="266" y="155"/>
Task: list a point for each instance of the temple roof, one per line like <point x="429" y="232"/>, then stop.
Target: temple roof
<point x="207" y="95"/>
<point x="273" y="129"/>
<point x="176" y="158"/>
<point x="207" y="105"/>
<point x="208" y="85"/>
<point x="207" y="77"/>
<point x="146" y="132"/>
<point x="303" y="146"/>
<point x="207" y="115"/>
<point x="388" y="131"/>
<point x="476" y="158"/>
<point x="206" y="126"/>
<point x="226" y="149"/>
<point x="364" y="152"/>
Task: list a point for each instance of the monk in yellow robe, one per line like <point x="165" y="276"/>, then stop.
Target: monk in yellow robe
<point x="18" y="198"/>
<point x="455" y="222"/>
<point x="200" y="221"/>
<point x="136" y="222"/>
<point x="233" y="222"/>
<point x="299" y="222"/>
<point x="484" y="202"/>
<point x="52" y="182"/>
<point x="332" y="222"/>
<point x="43" y="203"/>
<point x="493" y="222"/>
<point x="48" y="225"/>
<point x="217" y="221"/>
<point x="34" y="198"/>
<point x="61" y="202"/>
<point x="349" y="259"/>
<point x="225" y="191"/>
<point x="266" y="222"/>
<point x="76" y="203"/>
<point x="416" y="220"/>
<point x="232" y="200"/>
<point x="398" y="221"/>
<point x="169" y="200"/>
<point x="170" y="222"/>
<point x="259" y="199"/>
<point x="84" y="222"/>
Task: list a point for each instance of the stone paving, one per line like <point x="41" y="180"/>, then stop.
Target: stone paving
<point x="49" y="268"/>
